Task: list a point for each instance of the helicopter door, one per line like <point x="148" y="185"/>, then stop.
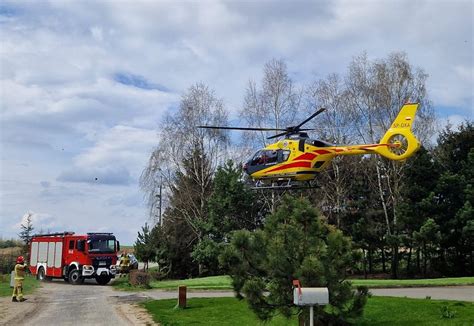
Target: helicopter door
<point x="283" y="155"/>
<point x="301" y="145"/>
<point x="269" y="157"/>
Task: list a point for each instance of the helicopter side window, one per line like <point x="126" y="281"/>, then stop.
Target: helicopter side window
<point x="266" y="157"/>
<point x="283" y="155"/>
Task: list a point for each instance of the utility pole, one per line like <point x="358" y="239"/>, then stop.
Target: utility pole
<point x="161" y="187"/>
<point x="159" y="203"/>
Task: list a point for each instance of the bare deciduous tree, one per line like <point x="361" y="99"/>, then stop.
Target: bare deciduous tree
<point x="376" y="91"/>
<point x="334" y="125"/>
<point x="275" y="104"/>
<point x="179" y="140"/>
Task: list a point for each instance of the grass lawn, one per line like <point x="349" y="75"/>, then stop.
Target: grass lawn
<point x="208" y="311"/>
<point x="204" y="283"/>
<point x="28" y="286"/>
<point x="223" y="282"/>
<point x="379" y="311"/>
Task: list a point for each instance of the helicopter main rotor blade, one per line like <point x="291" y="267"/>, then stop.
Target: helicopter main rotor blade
<point x="321" y="110"/>
<point x="241" y="128"/>
<point x="278" y="135"/>
<point x="288" y="132"/>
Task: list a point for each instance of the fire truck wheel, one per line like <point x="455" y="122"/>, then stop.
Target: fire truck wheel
<point x="41" y="276"/>
<point x="102" y="280"/>
<point x="75" y="277"/>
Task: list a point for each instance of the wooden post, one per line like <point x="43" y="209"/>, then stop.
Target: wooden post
<point x="182" y="296"/>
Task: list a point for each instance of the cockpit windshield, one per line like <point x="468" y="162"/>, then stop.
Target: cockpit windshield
<point x="101" y="245"/>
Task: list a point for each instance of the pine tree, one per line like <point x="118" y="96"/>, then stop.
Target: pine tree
<point x="295" y="243"/>
<point x="26" y="229"/>
<point x="144" y="247"/>
<point x="232" y="206"/>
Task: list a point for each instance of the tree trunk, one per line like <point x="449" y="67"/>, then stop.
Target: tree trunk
<point x="409" y="262"/>
<point x="424" y="260"/>
<point x="394" y="266"/>
<point x="384" y="268"/>
<point x="365" y="263"/>
<point x="301" y="318"/>
<point x="471" y="261"/>
<point x="370" y="261"/>
<point x="418" y="261"/>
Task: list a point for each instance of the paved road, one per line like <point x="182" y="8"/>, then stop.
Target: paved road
<point x="462" y="293"/>
<point x="59" y="303"/>
<point x="65" y="304"/>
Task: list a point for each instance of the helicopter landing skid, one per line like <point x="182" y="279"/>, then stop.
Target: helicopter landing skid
<point x="287" y="185"/>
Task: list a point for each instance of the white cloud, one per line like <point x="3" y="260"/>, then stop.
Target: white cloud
<point x="64" y="112"/>
<point x="109" y="176"/>
<point x="119" y="145"/>
<point x="42" y="221"/>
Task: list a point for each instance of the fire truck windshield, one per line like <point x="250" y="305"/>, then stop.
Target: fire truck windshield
<point x="101" y="245"/>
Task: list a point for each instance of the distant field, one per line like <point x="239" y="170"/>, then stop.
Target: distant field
<point x="10" y="251"/>
<point x="30" y="284"/>
<point x="128" y="249"/>
<point x="379" y="311"/>
<point x="223" y="282"/>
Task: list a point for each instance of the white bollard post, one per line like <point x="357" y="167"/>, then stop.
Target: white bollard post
<point x="311" y="316"/>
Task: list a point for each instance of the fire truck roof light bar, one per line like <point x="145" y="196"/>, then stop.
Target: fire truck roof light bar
<point x="53" y="234"/>
<point x="99" y="233"/>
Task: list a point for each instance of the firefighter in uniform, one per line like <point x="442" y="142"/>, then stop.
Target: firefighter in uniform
<point x="20" y="269"/>
<point x="124" y="263"/>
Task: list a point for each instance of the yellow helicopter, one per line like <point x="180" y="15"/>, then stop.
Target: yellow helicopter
<point x="298" y="158"/>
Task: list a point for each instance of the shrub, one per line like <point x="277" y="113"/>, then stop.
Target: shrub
<point x="139" y="278"/>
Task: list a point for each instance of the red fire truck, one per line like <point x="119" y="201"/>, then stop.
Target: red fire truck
<point x="74" y="257"/>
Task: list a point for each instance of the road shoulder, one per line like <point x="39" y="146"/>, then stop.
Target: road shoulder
<point x="17" y="312"/>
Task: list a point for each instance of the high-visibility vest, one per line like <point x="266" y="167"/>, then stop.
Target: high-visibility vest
<point x="20" y="271"/>
<point x="125" y="261"/>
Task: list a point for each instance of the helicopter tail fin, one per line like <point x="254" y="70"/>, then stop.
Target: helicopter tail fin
<point x="400" y="142"/>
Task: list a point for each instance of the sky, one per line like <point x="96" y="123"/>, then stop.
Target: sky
<point x="85" y="84"/>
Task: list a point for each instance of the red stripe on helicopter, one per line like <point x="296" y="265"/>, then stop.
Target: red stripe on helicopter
<point x="322" y="151"/>
<point x="292" y="165"/>
<point x="305" y="156"/>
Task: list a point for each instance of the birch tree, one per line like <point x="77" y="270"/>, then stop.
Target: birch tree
<point x="276" y="103"/>
<point x="376" y="91"/>
<point x="334" y="125"/>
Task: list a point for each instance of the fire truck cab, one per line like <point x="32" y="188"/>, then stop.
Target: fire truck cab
<point x="74" y="257"/>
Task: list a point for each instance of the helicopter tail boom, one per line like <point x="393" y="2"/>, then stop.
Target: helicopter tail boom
<point x="398" y="143"/>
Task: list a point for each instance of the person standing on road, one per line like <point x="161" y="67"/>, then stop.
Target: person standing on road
<point x="124" y="263"/>
<point x="20" y="268"/>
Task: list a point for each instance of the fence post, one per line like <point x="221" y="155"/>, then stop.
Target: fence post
<point x="182" y="296"/>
